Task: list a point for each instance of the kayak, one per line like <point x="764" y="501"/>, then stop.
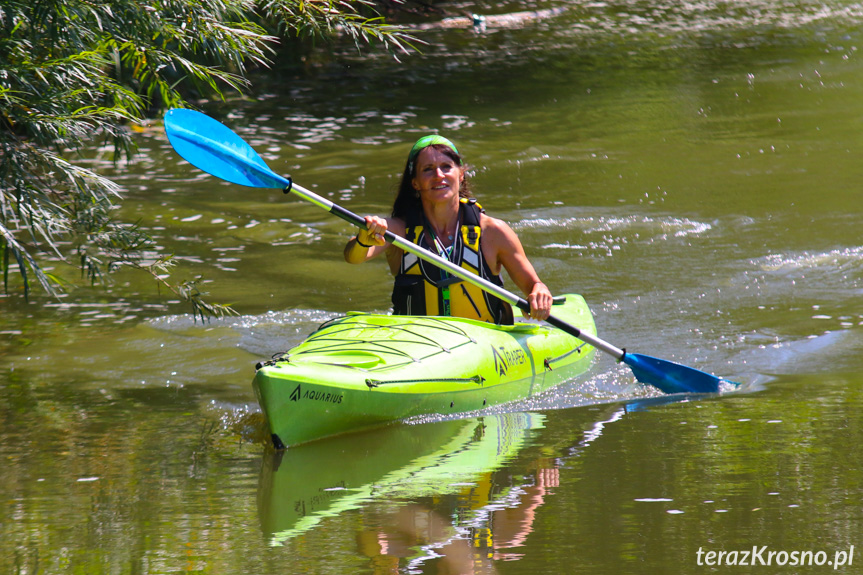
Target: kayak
<point x="363" y="370"/>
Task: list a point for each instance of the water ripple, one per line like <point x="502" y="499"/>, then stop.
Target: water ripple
<point x="834" y="260"/>
<point x="638" y="226"/>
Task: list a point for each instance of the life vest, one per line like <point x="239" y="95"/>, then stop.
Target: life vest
<point x="422" y="288"/>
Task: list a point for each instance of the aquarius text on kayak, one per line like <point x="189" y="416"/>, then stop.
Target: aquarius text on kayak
<point x="325" y="396"/>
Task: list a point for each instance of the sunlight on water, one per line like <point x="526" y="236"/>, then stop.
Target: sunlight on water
<point x="677" y="17"/>
<point x="640" y="228"/>
<point x="846" y="259"/>
<point x="607" y="382"/>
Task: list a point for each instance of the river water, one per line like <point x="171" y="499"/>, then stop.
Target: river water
<point x="693" y="169"/>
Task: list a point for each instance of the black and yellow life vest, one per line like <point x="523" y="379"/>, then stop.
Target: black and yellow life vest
<point x="421" y="288"/>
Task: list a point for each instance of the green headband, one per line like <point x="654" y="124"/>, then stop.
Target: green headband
<point x="425" y="142"/>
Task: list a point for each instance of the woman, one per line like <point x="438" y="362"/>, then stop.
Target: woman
<point x="435" y="210"/>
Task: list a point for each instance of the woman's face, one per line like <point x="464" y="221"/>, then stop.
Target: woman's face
<point x="438" y="177"/>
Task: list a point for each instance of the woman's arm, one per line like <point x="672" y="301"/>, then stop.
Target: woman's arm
<point x="502" y="248"/>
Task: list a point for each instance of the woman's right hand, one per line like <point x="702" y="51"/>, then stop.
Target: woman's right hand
<point x="373" y="235"/>
<point x="368" y="242"/>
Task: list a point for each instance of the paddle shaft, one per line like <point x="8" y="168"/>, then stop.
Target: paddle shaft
<point x="453" y="269"/>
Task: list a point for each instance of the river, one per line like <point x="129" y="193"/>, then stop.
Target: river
<point x="693" y="169"/>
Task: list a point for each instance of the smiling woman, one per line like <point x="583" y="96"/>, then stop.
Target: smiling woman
<point x="435" y="209"/>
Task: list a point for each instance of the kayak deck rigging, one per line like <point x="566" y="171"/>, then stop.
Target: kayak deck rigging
<point x="550" y="360"/>
<point x="339" y="336"/>
<point x="475" y="379"/>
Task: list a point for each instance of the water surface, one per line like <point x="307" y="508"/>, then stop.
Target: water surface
<point x="691" y="168"/>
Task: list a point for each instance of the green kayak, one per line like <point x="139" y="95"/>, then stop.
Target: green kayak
<point x="364" y="370"/>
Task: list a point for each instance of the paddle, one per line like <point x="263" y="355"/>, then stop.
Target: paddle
<point x="214" y="148"/>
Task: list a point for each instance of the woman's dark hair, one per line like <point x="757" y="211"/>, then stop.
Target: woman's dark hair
<point x="408" y="202"/>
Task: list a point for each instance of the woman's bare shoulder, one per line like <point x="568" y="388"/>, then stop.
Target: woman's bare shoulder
<point x="495" y="228"/>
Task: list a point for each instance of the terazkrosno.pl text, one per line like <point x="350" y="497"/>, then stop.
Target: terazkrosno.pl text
<point x="758" y="556"/>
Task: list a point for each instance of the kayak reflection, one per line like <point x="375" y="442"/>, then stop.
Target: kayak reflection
<point x="303" y="485"/>
<point x="462" y="492"/>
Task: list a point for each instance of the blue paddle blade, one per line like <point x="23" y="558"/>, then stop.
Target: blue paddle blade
<point x="670" y="377"/>
<point x="214" y="148"/>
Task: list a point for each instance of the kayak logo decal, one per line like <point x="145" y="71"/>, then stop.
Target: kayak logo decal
<point x="500" y="365"/>
<point x="324" y="396"/>
<point x="505" y="358"/>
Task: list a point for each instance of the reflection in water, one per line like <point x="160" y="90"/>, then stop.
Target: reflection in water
<point x="424" y="493"/>
<point x="306" y="483"/>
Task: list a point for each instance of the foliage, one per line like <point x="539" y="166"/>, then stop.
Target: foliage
<point x="359" y="20"/>
<point x="75" y="74"/>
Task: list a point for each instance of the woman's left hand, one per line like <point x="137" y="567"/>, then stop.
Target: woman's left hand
<point x="540" y="300"/>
